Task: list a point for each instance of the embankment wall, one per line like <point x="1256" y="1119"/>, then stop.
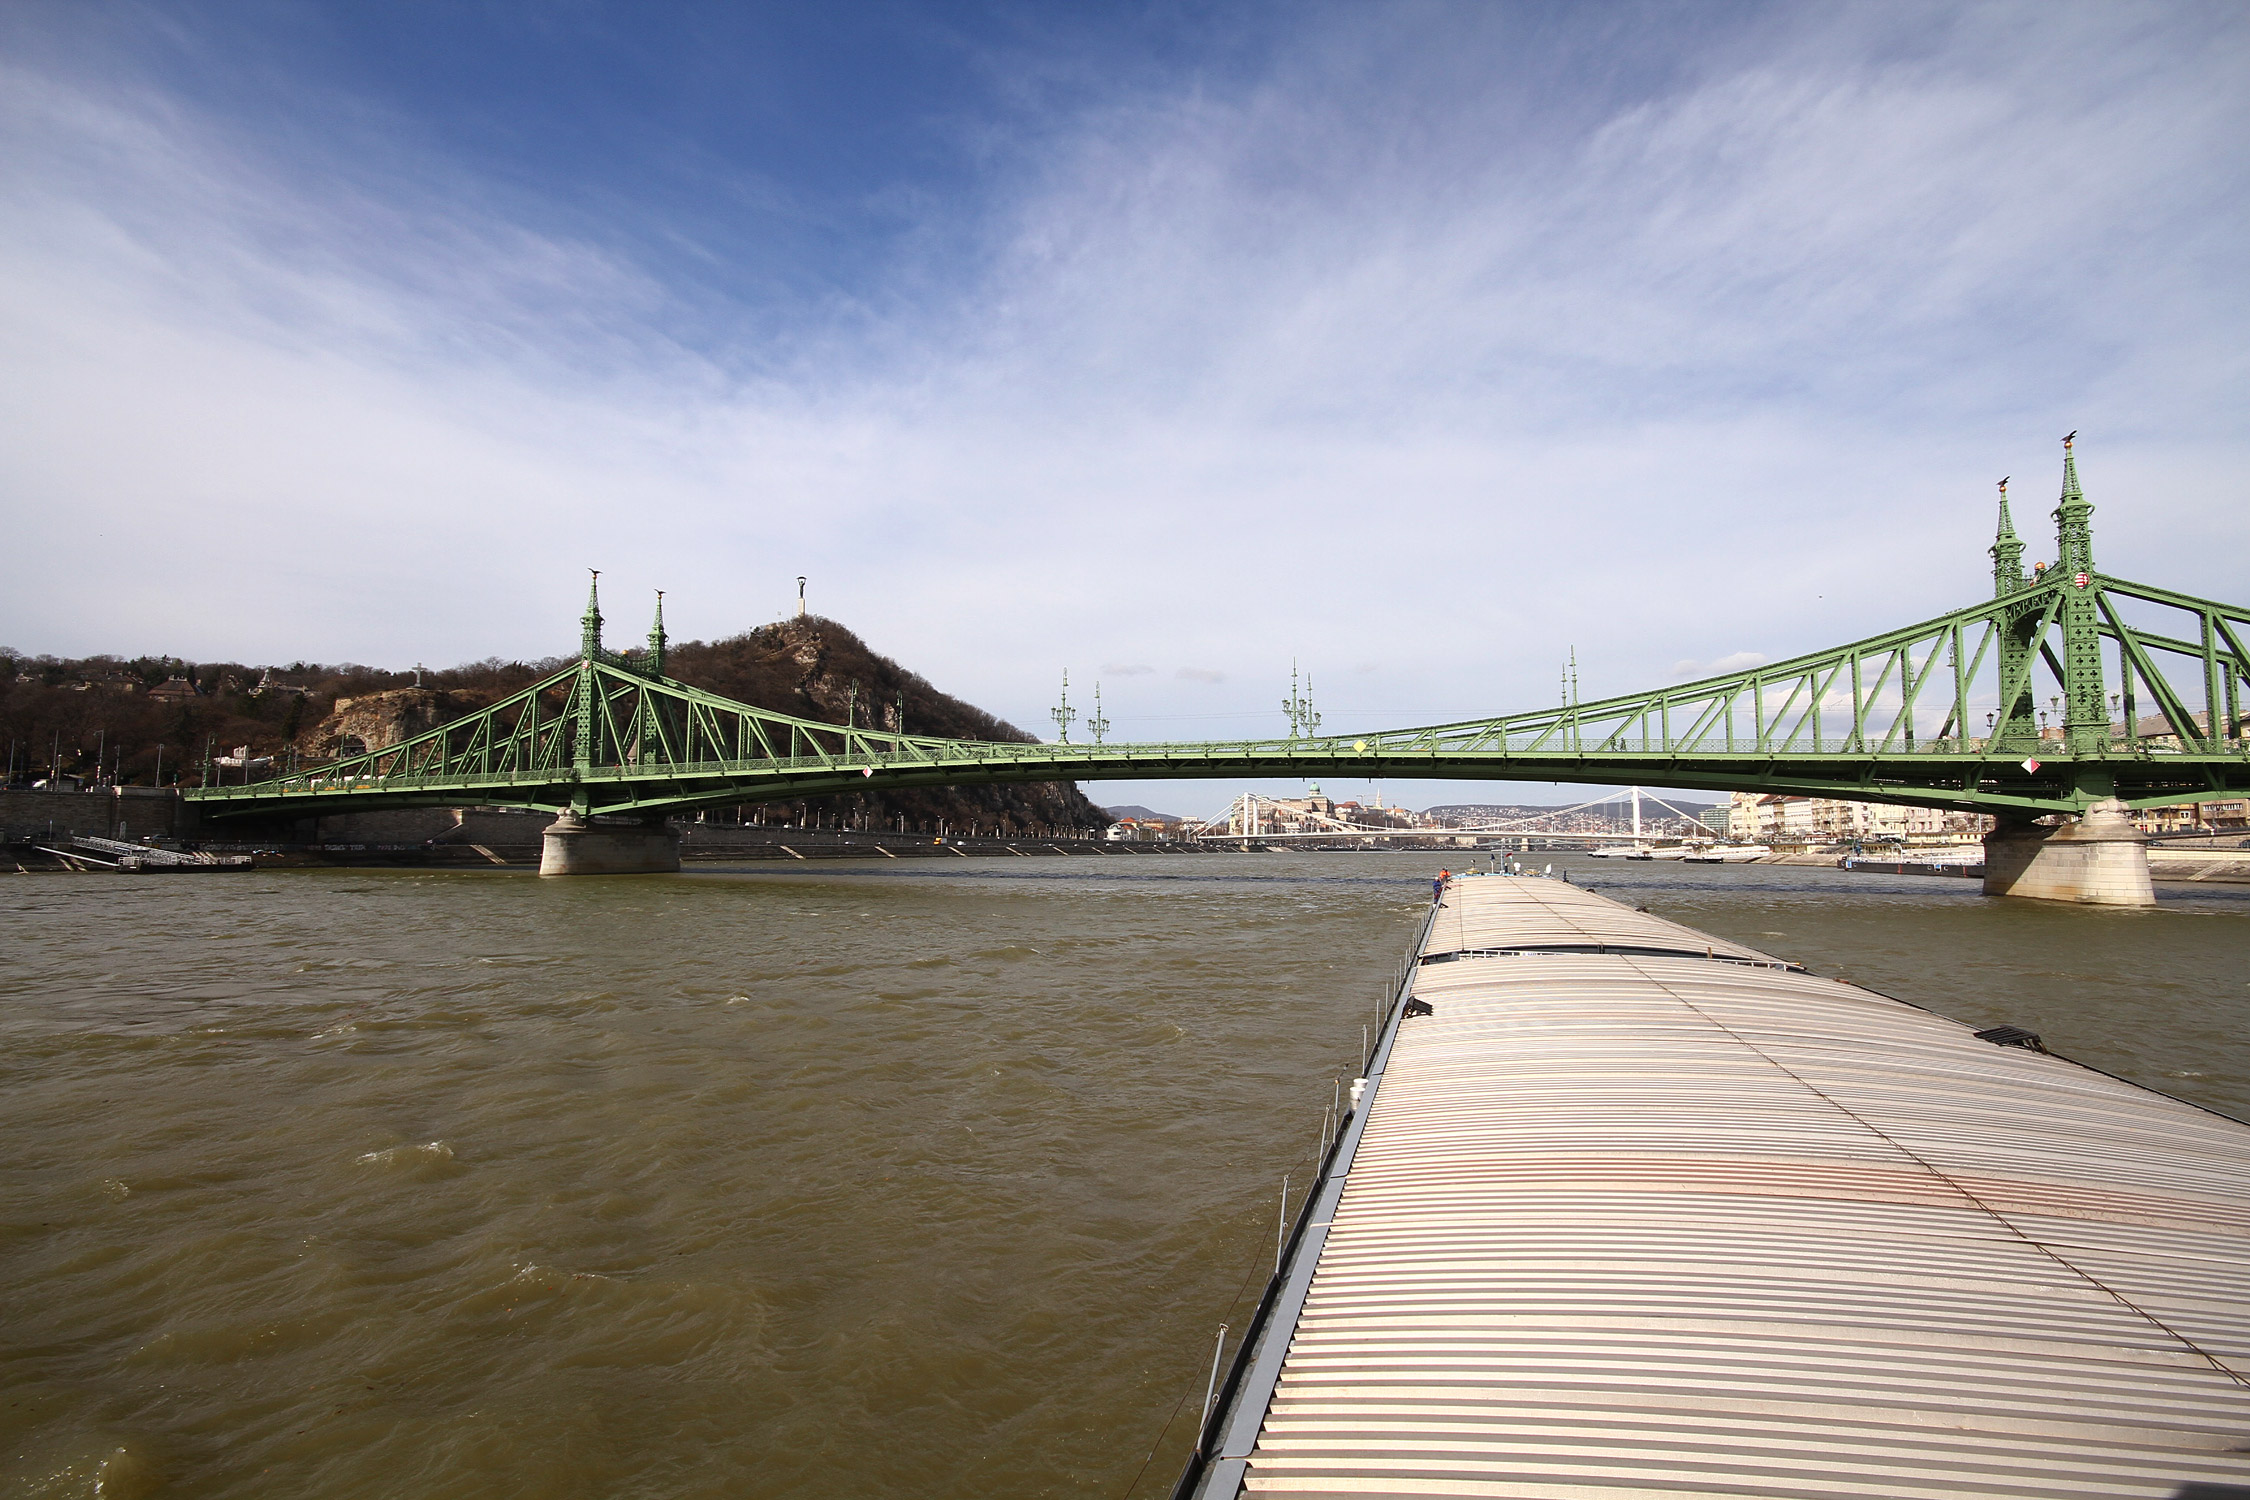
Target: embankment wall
<point x="128" y="812"/>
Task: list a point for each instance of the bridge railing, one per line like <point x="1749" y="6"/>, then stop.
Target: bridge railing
<point x="319" y="782"/>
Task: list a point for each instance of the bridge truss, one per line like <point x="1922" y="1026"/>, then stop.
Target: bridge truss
<point x="2145" y="690"/>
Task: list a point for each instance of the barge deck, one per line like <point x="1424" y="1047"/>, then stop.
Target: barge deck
<point x="1638" y="1212"/>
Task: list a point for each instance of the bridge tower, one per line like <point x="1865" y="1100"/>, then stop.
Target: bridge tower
<point x="2101" y="858"/>
<point x="574" y="844"/>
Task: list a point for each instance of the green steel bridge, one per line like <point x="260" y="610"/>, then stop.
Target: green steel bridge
<point x="2145" y="689"/>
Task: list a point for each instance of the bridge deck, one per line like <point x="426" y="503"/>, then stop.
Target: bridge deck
<point x="1620" y="1225"/>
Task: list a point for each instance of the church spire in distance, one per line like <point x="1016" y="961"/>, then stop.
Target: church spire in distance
<point x="2007" y="552"/>
<point x="2074" y="533"/>
<point x="590" y="624"/>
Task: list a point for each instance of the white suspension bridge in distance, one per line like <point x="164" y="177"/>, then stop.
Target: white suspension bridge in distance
<point x="1252" y="815"/>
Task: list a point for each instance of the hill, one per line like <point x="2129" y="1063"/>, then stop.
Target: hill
<point x="1135" y="810"/>
<point x="136" y="714"/>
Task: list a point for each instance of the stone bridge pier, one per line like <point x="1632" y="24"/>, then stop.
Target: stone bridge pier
<point x="2100" y="860"/>
<point x="577" y="845"/>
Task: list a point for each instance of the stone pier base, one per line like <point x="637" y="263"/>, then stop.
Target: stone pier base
<point x="2100" y="860"/>
<point x="577" y="847"/>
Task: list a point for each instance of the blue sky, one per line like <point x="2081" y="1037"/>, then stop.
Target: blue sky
<point x="1164" y="343"/>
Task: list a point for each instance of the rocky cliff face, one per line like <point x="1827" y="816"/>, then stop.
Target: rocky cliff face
<point x="377" y="719"/>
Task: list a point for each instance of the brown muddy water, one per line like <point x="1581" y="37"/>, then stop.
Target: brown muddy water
<point x="843" y="1181"/>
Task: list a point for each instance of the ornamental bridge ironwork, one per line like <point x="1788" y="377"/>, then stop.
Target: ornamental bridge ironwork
<point x="2145" y="684"/>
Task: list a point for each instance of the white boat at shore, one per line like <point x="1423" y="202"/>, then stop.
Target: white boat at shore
<point x="1728" y="854"/>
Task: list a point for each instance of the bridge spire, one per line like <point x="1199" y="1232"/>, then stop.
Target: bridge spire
<point x="2074" y="535"/>
<point x="581" y="706"/>
<point x="590" y="624"/>
<point x="2086" y="707"/>
<point x="656" y="638"/>
<point x="2007" y="552"/>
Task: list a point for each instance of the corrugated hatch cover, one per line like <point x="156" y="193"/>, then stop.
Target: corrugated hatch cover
<point x="1628" y="1226"/>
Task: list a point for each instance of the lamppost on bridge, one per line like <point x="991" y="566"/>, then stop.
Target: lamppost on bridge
<point x="1303" y="721"/>
<point x="1062" y="713"/>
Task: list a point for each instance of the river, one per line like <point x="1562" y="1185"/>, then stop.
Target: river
<point x="899" y="1179"/>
